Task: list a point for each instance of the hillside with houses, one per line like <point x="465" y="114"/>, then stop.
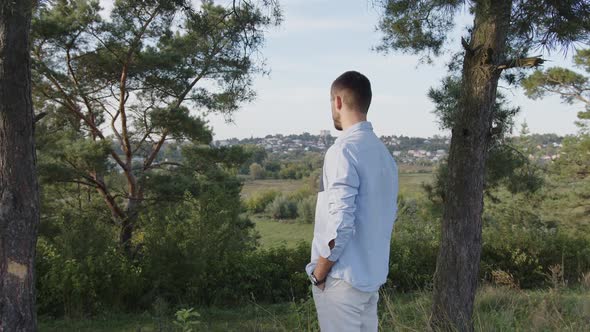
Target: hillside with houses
<point x="405" y="149"/>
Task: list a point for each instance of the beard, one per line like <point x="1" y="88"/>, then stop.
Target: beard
<point x="337" y="122"/>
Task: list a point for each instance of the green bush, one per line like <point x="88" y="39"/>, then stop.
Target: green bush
<point x="414" y="247"/>
<point x="190" y="250"/>
<point x="259" y="202"/>
<point x="282" y="208"/>
<point x="301" y="194"/>
<point x="517" y="243"/>
<point x="530" y="244"/>
<point x="529" y="254"/>
<point x="81" y="271"/>
<point x="306" y="209"/>
<point x="273" y="275"/>
<point x="256" y="171"/>
<point x="202" y="251"/>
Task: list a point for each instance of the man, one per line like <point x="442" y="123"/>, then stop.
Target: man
<point x="356" y="208"/>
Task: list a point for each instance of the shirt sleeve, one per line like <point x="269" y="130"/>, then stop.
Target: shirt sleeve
<point x="343" y="183"/>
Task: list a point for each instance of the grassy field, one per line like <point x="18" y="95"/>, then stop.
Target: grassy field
<point x="274" y="233"/>
<point x="290" y="232"/>
<point x="496" y="309"/>
<point x="252" y="187"/>
<point x="410" y="184"/>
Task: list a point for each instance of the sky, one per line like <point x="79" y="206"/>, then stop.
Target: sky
<point x="318" y="40"/>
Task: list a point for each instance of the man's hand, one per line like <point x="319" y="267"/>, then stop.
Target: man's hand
<point x="323" y="267"/>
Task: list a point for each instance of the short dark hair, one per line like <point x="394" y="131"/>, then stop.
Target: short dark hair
<point x="359" y="88"/>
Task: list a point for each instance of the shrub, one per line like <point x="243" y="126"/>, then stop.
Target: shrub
<point x="306" y="209"/>
<point x="301" y="193"/>
<point x="81" y="271"/>
<point x="273" y="275"/>
<point x="191" y="249"/>
<point x="256" y="171"/>
<point x="259" y="202"/>
<point x="413" y="253"/>
<point x="283" y="208"/>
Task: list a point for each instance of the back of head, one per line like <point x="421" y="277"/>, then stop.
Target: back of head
<point x="357" y="89"/>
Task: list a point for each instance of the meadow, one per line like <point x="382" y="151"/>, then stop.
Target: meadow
<point x="290" y="232"/>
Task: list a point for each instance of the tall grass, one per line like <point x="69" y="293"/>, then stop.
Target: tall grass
<point x="497" y="308"/>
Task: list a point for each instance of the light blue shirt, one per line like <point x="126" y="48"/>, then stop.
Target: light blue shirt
<point x="356" y="206"/>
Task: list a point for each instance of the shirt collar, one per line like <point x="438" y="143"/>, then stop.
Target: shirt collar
<point x="359" y="126"/>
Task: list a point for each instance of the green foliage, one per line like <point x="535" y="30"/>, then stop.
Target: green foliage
<point x="555" y="79"/>
<point x="496" y="308"/>
<point x="256" y="171"/>
<point x="417" y="26"/>
<point x="530" y="244"/>
<point x="189" y="249"/>
<point x="548" y="24"/>
<point x="573" y="165"/>
<point x="569" y="85"/>
<point x="505" y="165"/>
<point x="283" y="207"/>
<point x="306" y="209"/>
<point x="414" y="247"/>
<point x="259" y="202"/>
<point x="582" y="59"/>
<point x="186" y="319"/>
<point x="294" y="167"/>
<point x="79" y="270"/>
<point x="257" y="155"/>
<point x="422" y="27"/>
<point x="510" y="168"/>
<point x="181" y="124"/>
<point x="150" y="72"/>
<point x="272" y="166"/>
<point x="61" y="161"/>
<point x="446" y="100"/>
<point x="274" y="275"/>
<point x="570" y="176"/>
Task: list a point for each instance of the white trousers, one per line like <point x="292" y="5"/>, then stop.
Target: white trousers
<point x="343" y="308"/>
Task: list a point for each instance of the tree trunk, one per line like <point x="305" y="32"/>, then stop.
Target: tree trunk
<point x="128" y="225"/>
<point x="19" y="192"/>
<point x="457" y="267"/>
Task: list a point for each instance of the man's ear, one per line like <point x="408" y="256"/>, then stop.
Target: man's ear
<point x="338" y="102"/>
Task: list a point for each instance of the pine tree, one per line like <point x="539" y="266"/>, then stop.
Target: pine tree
<point x="118" y="89"/>
<point x="19" y="191"/>
<point x="502" y="34"/>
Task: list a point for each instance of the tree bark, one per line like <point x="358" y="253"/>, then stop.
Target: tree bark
<point x="19" y="192"/>
<point x="457" y="267"/>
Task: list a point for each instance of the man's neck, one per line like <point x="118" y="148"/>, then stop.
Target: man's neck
<point x="352" y="120"/>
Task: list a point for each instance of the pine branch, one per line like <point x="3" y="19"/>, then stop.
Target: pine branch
<point x="39" y="117"/>
<point x="522" y="63"/>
